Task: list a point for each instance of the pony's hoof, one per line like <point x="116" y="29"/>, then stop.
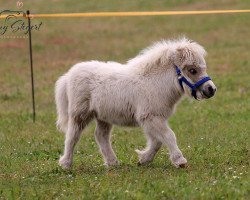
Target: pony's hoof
<point x="141" y="163"/>
<point x="184" y="165"/>
<point x="144" y="157"/>
<point x="65" y="163"/>
<point x="179" y="161"/>
<point x="112" y="163"/>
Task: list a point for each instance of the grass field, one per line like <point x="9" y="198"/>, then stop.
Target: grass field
<point x="213" y="134"/>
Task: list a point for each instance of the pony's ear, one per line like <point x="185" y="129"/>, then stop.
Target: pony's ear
<point x="180" y="56"/>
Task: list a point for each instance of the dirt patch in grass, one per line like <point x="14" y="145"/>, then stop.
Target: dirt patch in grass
<point x="14" y="43"/>
<point x="59" y="41"/>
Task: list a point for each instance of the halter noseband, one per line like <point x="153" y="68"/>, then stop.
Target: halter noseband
<point x="193" y="87"/>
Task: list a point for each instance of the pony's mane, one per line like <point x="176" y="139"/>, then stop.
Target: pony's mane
<point x="162" y="50"/>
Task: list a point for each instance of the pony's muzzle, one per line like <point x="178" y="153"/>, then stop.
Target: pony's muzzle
<point x="208" y="89"/>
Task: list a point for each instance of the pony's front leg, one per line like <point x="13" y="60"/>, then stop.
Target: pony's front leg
<point x="157" y="127"/>
<point x="147" y="155"/>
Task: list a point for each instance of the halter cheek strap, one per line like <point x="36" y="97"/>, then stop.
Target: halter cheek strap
<point x="193" y="87"/>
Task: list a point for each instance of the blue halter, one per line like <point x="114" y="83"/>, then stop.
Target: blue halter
<point x="193" y="87"/>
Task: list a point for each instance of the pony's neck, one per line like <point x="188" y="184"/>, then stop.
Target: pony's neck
<point x="172" y="89"/>
<point x="155" y="59"/>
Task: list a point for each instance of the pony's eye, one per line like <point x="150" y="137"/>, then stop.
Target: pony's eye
<point x="193" y="71"/>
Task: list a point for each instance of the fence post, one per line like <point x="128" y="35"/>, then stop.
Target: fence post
<point x="31" y="68"/>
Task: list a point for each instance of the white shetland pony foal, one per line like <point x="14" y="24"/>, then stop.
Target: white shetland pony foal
<point x="143" y="92"/>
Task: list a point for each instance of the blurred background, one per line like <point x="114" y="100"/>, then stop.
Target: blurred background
<point x="62" y="42"/>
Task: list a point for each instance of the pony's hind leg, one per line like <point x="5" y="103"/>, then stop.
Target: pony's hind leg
<point x="72" y="136"/>
<point x="102" y="136"/>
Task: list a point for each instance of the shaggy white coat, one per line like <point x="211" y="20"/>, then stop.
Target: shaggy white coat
<point x="143" y="92"/>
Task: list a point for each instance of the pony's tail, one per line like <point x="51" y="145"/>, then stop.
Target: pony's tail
<point x="61" y="98"/>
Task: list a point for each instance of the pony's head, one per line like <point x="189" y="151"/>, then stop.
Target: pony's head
<point x="191" y="69"/>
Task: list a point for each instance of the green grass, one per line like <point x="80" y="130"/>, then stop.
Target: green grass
<point x="213" y="134"/>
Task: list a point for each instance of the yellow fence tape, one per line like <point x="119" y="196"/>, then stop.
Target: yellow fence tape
<point x="123" y="14"/>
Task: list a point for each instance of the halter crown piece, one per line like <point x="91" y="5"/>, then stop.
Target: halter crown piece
<point x="193" y="87"/>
